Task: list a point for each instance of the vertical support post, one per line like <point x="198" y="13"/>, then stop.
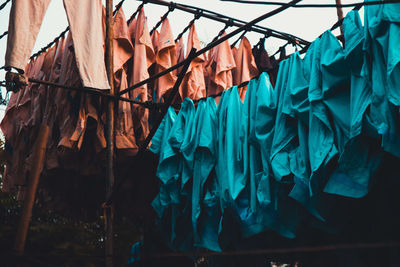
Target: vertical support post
<point x="38" y="157"/>
<point x="339" y="14"/>
<point x="109" y="209"/>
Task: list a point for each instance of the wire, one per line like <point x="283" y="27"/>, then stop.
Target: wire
<point x="4" y="34"/>
<point x="236" y="22"/>
<point x="164" y="17"/>
<point x="4" y="4"/>
<point x="196" y="17"/>
<point x="314" y="5"/>
<point x="227" y="25"/>
<point x="136" y="12"/>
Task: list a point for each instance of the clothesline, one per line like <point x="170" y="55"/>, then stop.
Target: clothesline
<point x="194" y="10"/>
<point x="4" y="4"/>
<point x="184" y="63"/>
<point x="314" y="5"/>
<point x="226" y="19"/>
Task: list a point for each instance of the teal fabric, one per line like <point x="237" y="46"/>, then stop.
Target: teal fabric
<point x="359" y="159"/>
<point x="235" y="170"/>
<point x="382" y="36"/>
<point x="205" y="201"/>
<point x="166" y="202"/>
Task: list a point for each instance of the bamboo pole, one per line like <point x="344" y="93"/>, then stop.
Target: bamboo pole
<point x="109" y="209"/>
<point x="339" y="11"/>
<point x="38" y="157"/>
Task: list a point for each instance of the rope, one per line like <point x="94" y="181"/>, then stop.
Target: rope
<point x="4" y="4"/>
<point x="196" y="17"/>
<point x="170" y="9"/>
<point x="314" y="5"/>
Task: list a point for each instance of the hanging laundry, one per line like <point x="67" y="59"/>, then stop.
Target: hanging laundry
<point x="220" y="68"/>
<point x="125" y="141"/>
<point x="193" y="85"/>
<point x="246" y="67"/>
<point x="166" y="57"/>
<point x="180" y="53"/>
<point x="143" y="58"/>
<point x="50" y="111"/>
<point x="263" y="61"/>
<point x="68" y="106"/>
<point x="206" y="212"/>
<point x="381" y="45"/>
<point x="84" y="18"/>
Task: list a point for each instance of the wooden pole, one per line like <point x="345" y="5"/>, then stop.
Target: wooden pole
<point x="109" y="209"/>
<point x="38" y="157"/>
<point x="339" y="13"/>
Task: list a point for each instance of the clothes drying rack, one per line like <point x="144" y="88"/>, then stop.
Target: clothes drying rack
<point x="114" y="97"/>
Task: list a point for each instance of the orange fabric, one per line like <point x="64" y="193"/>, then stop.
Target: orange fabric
<point x="68" y="101"/>
<point x="143" y="58"/>
<point x="124" y="131"/>
<point x="154" y="40"/>
<point x="123" y="48"/>
<point x="85" y="20"/>
<point x="193" y="85"/>
<point x="166" y="57"/>
<point x="246" y="67"/>
<point x="50" y="111"/>
<point x="222" y="62"/>
<point x="180" y="52"/>
<point x="26" y="17"/>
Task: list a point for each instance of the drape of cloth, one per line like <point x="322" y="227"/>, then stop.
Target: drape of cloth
<point x="12" y="125"/>
<point x="166" y="57"/>
<point x="220" y="68"/>
<point x="193" y="85"/>
<point x="68" y="107"/>
<point x="85" y="20"/>
<point x="143" y="58"/>
<point x="206" y="212"/>
<point x="123" y="51"/>
<point x="381" y="32"/>
<point x="246" y="67"/>
<point x="50" y="110"/>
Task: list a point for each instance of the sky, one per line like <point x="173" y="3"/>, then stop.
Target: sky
<point x="307" y="23"/>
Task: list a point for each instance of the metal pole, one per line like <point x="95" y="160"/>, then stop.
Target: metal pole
<point x="109" y="209"/>
<point x="339" y="13"/>
<point x="38" y="157"/>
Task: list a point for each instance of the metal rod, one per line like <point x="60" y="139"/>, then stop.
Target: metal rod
<point x="38" y="158"/>
<point x="318" y="5"/>
<point x="211" y="45"/>
<point x="110" y="136"/>
<point x="225" y="19"/>
<point x="102" y="93"/>
<point x="282" y="251"/>
<point x="164" y="110"/>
